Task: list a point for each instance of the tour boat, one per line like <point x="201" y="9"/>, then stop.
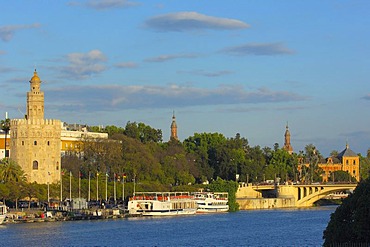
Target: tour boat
<point x="3" y="211"/>
<point x="162" y="204"/>
<point x="211" y="202"/>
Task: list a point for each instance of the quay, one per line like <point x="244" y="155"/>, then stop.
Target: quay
<point x="37" y="215"/>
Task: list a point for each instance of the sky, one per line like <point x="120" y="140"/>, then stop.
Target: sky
<point x="248" y="67"/>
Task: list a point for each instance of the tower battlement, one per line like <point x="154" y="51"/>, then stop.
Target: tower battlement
<point x="16" y="122"/>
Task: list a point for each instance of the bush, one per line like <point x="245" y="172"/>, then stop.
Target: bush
<point x="350" y="223"/>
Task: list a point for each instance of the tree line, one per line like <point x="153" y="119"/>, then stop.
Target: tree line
<point x="138" y="151"/>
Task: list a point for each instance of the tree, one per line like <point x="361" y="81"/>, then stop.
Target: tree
<point x="10" y="171"/>
<point x="5" y="126"/>
<point x="313" y="156"/>
<point x="231" y="187"/>
<point x="365" y="166"/>
<point x="349" y="224"/>
<point x="341" y="176"/>
<point x="142" y="132"/>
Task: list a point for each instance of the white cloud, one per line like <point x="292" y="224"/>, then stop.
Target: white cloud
<point x="125" y="65"/>
<point x="104" y="4"/>
<point x="367" y="97"/>
<point x="206" y="73"/>
<point x="164" y="58"/>
<point x="187" y="21"/>
<point x="7" y="32"/>
<point x="259" y="49"/>
<point x="83" y="65"/>
<point x="114" y="97"/>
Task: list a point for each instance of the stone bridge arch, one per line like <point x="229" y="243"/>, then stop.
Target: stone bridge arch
<point x="307" y="195"/>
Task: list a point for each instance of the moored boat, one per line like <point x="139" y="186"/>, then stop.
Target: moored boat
<point x="162" y="204"/>
<point x="3" y="212"/>
<point x="211" y="202"/>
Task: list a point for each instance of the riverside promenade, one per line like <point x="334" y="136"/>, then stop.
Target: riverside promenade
<point x="40" y="215"/>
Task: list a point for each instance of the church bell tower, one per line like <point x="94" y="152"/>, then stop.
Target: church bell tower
<point x="287" y="146"/>
<point x="174" y="128"/>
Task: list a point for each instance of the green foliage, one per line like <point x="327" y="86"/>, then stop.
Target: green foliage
<point x="142" y="132"/>
<point x="365" y="166"/>
<point x="349" y="224"/>
<point x="220" y="185"/>
<point x="10" y="171"/>
<point x="341" y="176"/>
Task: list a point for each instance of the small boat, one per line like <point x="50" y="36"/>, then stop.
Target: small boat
<point x="162" y="204"/>
<point x="3" y="212"/>
<point x="211" y="202"/>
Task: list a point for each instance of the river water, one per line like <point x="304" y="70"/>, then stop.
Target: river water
<point x="282" y="227"/>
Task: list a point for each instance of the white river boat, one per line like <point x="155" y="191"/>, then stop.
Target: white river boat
<point x="3" y="212"/>
<point x="211" y="202"/>
<point x="162" y="204"/>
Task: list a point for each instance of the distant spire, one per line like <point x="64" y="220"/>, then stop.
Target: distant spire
<point x="173" y="128"/>
<point x="287" y="146"/>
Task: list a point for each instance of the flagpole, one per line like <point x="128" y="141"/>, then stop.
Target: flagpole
<point x="88" y="194"/>
<point x="106" y="186"/>
<point x="97" y="186"/>
<point x="61" y="187"/>
<point x="134" y="183"/>
<point x="114" y="188"/>
<point x="79" y="184"/>
<point x="123" y="189"/>
<point x="48" y="188"/>
<point x="70" y="186"/>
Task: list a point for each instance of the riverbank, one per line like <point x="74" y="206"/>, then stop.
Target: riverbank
<point x="37" y="216"/>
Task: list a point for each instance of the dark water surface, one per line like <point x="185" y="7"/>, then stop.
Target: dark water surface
<point x="291" y="227"/>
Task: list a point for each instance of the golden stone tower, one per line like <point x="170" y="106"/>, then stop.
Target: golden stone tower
<point x="35" y="141"/>
<point x="174" y="128"/>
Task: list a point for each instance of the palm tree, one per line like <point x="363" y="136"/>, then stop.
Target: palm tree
<point x="10" y="171"/>
<point x="5" y="126"/>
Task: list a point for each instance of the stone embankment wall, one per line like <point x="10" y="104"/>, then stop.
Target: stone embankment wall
<point x="248" y="199"/>
<point x="265" y="203"/>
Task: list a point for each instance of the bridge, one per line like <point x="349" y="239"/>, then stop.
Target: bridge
<point x="300" y="195"/>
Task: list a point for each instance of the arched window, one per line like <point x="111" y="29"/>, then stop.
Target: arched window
<point x="35" y="165"/>
<point x="35" y="143"/>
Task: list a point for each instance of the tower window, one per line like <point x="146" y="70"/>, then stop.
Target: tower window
<point x="35" y="143"/>
<point x="22" y="143"/>
<point x="48" y="143"/>
<point x="35" y="165"/>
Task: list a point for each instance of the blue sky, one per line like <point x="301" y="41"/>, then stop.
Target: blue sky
<point x="238" y="66"/>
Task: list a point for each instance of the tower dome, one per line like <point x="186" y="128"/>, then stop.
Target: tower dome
<point x="35" y="78"/>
